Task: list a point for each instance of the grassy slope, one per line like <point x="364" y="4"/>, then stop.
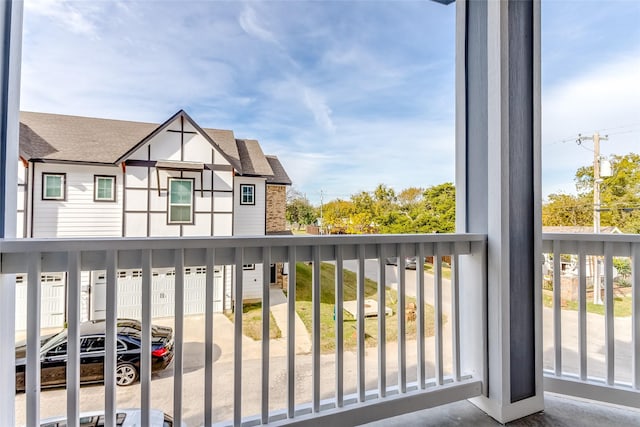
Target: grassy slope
<point x="327" y="303"/>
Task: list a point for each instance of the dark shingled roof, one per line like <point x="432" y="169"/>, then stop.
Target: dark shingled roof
<point x="279" y="174"/>
<point x="252" y="158"/>
<point x="79" y="139"/>
<point x="59" y="137"/>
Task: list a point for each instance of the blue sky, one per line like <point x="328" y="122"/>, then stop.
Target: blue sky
<point x="347" y="94"/>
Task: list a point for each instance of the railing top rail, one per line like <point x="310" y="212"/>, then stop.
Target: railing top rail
<point x="592" y="237"/>
<point x="129" y="243"/>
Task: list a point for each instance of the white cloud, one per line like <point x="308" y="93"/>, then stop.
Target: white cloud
<point x="605" y="99"/>
<point x="318" y="106"/>
<point x="249" y="22"/>
<point x="64" y="14"/>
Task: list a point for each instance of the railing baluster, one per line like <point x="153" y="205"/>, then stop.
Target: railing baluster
<point x="609" y="319"/>
<point x="32" y="369"/>
<point x="315" y="329"/>
<point x="339" y="314"/>
<point x="422" y="374"/>
<point x="266" y="306"/>
<point x="110" y="342"/>
<point x="455" y="316"/>
<point x="178" y="356"/>
<point x="437" y="299"/>
<point x="291" y="333"/>
<point x="402" y="322"/>
<point x="360" y="324"/>
<point x="145" y="346"/>
<point x="208" y="337"/>
<point x="237" y="338"/>
<point x="73" y="339"/>
<point x="635" y="313"/>
<point x="582" y="312"/>
<point x="382" y="324"/>
<point x="557" y="307"/>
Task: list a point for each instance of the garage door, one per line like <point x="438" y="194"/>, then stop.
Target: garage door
<point x="162" y="296"/>
<point x="52" y="294"/>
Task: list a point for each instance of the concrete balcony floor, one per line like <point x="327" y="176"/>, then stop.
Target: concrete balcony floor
<point x="560" y="411"/>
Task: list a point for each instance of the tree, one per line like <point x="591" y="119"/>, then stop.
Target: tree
<point x="566" y="209"/>
<point x="619" y="193"/>
<point x="299" y="212"/>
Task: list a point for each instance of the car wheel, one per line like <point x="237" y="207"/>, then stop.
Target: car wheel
<point x="126" y="374"/>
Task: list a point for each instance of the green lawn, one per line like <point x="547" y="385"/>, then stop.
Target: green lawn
<point x="621" y="305"/>
<point x="252" y="322"/>
<point x="327" y="304"/>
<point x="446" y="271"/>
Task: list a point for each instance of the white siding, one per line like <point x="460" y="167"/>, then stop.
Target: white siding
<point x="202" y="201"/>
<point x="136" y="225"/>
<point x="79" y="215"/>
<point x="137" y="176"/>
<point x="249" y="220"/>
<point x="159" y="226"/>
<point x="201" y="226"/>
<point x="22" y="173"/>
<point x="223" y="202"/>
<point x="223" y="180"/>
<point x="166" y="146"/>
<point x="252" y="283"/>
<point x="197" y="149"/>
<point x="206" y="176"/>
<point x="136" y="199"/>
<point x="22" y="199"/>
<point x="223" y="224"/>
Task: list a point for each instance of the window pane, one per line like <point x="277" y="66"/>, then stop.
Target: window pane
<point x="247" y="194"/>
<point x="180" y="192"/>
<point x="105" y="189"/>
<point x="180" y="214"/>
<point x="53" y="186"/>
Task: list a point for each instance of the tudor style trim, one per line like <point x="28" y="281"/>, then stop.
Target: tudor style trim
<point x="164" y="125"/>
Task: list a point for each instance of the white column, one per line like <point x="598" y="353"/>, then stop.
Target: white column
<point x="11" y="42"/>
<point x="499" y="194"/>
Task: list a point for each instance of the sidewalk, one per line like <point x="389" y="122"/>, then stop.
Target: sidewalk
<point x="279" y="312"/>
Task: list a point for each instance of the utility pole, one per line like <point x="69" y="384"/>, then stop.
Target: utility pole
<point x="321" y="207"/>
<point x="597" y="180"/>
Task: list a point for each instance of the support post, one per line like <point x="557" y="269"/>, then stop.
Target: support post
<point x="11" y="45"/>
<point x="499" y="193"/>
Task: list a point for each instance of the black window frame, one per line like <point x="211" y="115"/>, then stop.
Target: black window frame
<point x="63" y="198"/>
<point x="95" y="189"/>
<point x="253" y="194"/>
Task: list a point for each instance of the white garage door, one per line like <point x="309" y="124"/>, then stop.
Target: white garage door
<point x="162" y="296"/>
<point x="52" y="294"/>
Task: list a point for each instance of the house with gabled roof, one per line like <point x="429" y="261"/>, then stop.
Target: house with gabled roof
<point x="93" y="177"/>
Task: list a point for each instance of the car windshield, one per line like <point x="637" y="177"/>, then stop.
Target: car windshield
<point x="54" y="342"/>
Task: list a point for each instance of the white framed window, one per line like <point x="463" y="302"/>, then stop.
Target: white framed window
<point x="180" y="201"/>
<point x="104" y="188"/>
<point x="248" y="266"/>
<point x="247" y="194"/>
<point x="53" y="186"/>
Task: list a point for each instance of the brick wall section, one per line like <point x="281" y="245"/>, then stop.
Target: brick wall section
<point x="276" y="221"/>
<point x="276" y="203"/>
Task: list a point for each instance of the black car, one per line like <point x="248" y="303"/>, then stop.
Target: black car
<point x="409" y="262"/>
<point x="53" y="354"/>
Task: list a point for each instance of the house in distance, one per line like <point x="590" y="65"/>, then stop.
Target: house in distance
<point x="92" y="177"/>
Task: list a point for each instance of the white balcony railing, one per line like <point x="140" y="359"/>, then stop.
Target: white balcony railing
<point x="430" y="377"/>
<point x="591" y="350"/>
